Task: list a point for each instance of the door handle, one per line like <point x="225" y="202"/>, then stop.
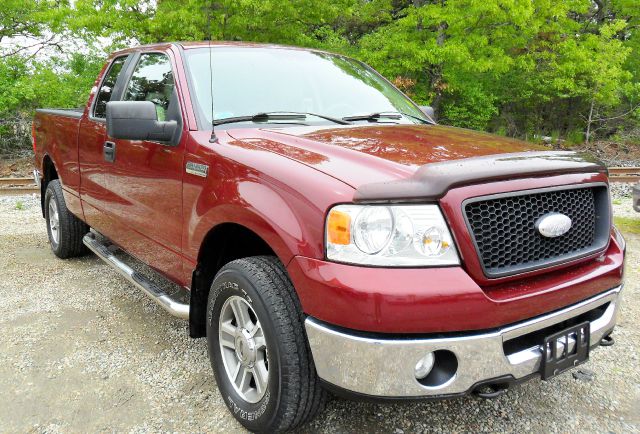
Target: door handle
<point x="109" y="150"/>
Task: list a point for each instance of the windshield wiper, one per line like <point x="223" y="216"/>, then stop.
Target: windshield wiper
<point x="328" y="118"/>
<point x="260" y="117"/>
<point x="424" y="121"/>
<point x="374" y="117"/>
<point x="276" y="116"/>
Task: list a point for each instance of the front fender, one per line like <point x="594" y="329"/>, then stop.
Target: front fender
<point x="269" y="214"/>
<point x="280" y="200"/>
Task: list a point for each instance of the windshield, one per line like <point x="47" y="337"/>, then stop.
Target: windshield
<point x="248" y="81"/>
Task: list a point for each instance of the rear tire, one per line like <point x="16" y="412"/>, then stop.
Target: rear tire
<point x="257" y="290"/>
<point x="64" y="229"/>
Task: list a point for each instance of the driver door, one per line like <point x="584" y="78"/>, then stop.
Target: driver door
<point x="145" y="177"/>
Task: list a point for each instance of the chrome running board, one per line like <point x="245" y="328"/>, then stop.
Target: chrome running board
<point x="153" y="291"/>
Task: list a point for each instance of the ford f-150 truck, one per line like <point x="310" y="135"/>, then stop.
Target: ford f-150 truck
<point x="325" y="234"/>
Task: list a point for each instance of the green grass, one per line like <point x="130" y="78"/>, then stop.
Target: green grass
<point x="627" y="225"/>
<point x="19" y="205"/>
<point x="617" y="201"/>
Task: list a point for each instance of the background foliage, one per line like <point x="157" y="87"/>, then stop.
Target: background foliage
<point x="527" y="68"/>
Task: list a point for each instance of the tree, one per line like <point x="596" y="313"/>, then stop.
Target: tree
<point x="521" y="68"/>
<point x="28" y="26"/>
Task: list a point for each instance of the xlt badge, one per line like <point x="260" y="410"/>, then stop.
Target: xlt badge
<point x="197" y="169"/>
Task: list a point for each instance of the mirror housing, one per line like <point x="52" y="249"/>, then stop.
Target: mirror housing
<point x="138" y="120"/>
<point x="429" y="111"/>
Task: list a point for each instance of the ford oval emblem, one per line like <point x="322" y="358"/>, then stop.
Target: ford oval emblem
<point x="553" y="224"/>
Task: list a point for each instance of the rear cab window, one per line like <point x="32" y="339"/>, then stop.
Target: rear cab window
<point x="107" y="86"/>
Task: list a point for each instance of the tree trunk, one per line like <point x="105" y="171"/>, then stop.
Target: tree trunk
<point x="433" y="72"/>
<point x="601" y="12"/>
<point x="587" y="135"/>
<point x="436" y="81"/>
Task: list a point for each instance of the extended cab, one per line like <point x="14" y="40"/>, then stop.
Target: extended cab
<point x="324" y="233"/>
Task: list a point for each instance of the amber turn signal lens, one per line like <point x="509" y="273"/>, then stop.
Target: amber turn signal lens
<point x="339" y="227"/>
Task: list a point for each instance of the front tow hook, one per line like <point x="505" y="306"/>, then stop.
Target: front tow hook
<point x="491" y="391"/>
<point x="607" y="341"/>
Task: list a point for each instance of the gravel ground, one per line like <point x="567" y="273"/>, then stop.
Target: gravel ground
<point x="83" y="351"/>
<point x="621" y="190"/>
<point x="623" y="207"/>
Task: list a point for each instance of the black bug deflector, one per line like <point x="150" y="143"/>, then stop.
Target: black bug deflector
<point x="432" y="181"/>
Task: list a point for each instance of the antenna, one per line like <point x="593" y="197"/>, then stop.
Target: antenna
<point x="213" y="137"/>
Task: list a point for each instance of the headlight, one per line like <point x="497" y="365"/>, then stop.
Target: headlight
<point x="400" y="235"/>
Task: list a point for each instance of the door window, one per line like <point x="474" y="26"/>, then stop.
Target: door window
<point x="106" y="89"/>
<point x="152" y="80"/>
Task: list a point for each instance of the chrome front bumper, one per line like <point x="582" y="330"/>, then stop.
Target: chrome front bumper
<point x="386" y="367"/>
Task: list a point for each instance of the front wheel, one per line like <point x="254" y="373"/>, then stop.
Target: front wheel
<point x="258" y="348"/>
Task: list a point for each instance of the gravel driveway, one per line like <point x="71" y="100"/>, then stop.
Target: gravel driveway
<point x="83" y="351"/>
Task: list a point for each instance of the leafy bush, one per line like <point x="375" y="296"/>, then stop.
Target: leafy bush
<point x="15" y="135"/>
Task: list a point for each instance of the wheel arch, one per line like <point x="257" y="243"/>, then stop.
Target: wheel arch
<point x="256" y="218"/>
<point x="223" y="243"/>
<point x="49" y="173"/>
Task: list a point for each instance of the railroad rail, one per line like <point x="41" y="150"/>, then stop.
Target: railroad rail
<point x="16" y="181"/>
<point x="19" y="186"/>
<point x="624" y="174"/>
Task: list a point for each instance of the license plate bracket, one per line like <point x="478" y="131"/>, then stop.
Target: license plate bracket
<point x="565" y="349"/>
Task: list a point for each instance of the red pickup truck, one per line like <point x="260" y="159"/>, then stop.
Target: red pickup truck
<point x="324" y="233"/>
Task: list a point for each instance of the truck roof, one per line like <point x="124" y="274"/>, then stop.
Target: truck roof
<point x="188" y="45"/>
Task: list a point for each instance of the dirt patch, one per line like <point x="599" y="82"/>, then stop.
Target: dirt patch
<point x="16" y="167"/>
<point x="614" y="153"/>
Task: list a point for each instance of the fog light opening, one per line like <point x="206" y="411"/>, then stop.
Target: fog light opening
<point x="436" y="369"/>
<point x="424" y="366"/>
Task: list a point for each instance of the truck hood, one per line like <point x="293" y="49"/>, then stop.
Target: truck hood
<point x="378" y="153"/>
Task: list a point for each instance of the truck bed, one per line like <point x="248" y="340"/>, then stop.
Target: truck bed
<point x="56" y="139"/>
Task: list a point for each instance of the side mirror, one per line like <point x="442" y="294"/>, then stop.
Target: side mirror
<point x="428" y="110"/>
<point x="138" y="120"/>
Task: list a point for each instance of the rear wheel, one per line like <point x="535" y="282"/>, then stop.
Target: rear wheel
<point x="258" y="347"/>
<point x="64" y="229"/>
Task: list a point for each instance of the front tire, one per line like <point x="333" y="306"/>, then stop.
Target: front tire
<point x="258" y="347"/>
<point x="65" y="230"/>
